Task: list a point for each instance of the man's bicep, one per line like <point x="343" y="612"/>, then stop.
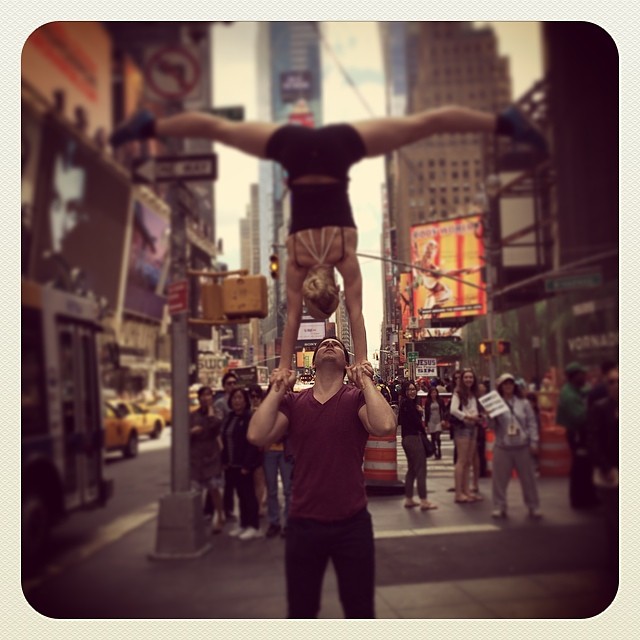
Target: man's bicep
<point x="280" y="427"/>
<point x="364" y="418"/>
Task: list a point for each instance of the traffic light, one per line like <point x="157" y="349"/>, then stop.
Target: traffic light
<point x="484" y="348"/>
<point x="504" y="347"/>
<point x="274" y="265"/>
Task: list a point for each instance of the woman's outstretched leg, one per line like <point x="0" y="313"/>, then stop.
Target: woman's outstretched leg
<point x="383" y="135"/>
<point x="249" y="137"/>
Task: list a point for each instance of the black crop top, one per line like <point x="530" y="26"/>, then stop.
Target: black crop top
<point x="327" y="151"/>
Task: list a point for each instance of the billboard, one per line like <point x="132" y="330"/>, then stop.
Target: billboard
<point x="30" y="152"/>
<point x="448" y="248"/>
<point x="81" y="210"/>
<point x="73" y="57"/>
<point x="405" y="293"/>
<point x="295" y="85"/>
<point x="311" y="331"/>
<point x="146" y="287"/>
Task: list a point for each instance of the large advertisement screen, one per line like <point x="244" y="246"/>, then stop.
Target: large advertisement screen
<point x="311" y="331"/>
<point x="80" y="214"/>
<point x="146" y="287"/>
<point x="448" y="248"/>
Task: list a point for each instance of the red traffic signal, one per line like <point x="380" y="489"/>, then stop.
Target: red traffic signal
<point x="504" y="347"/>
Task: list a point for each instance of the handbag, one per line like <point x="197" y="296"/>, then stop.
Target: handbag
<point x="427" y="444"/>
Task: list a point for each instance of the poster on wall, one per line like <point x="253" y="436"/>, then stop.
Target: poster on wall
<point x="146" y="287"/>
<point x="81" y="209"/>
<point x="449" y="259"/>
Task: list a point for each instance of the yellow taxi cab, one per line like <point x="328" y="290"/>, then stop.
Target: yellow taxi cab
<point x="194" y="403"/>
<point x="162" y="407"/>
<point x="145" y="422"/>
<point x="119" y="434"/>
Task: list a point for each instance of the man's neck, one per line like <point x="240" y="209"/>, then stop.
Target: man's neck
<point x="328" y="382"/>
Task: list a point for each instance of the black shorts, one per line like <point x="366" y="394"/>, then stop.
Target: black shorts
<point x="327" y="151"/>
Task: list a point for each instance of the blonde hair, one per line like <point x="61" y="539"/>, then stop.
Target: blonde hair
<point x="320" y="292"/>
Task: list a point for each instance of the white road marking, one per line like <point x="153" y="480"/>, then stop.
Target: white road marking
<point x="436" y="531"/>
<point x="103" y="536"/>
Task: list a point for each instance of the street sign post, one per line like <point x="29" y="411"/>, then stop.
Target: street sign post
<point x="180" y="529"/>
<point x="174" y="168"/>
<point x="569" y="282"/>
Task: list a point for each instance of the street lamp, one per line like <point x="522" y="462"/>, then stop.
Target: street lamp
<point x="492" y="190"/>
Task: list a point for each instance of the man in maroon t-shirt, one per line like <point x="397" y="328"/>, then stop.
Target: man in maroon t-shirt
<point x="327" y="428"/>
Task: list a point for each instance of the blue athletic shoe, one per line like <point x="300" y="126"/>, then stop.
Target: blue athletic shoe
<point x="140" y="126"/>
<point x="522" y="130"/>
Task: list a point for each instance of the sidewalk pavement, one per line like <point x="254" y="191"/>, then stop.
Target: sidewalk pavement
<point x="455" y="562"/>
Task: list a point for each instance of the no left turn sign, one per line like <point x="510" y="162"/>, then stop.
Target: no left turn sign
<point x="172" y="72"/>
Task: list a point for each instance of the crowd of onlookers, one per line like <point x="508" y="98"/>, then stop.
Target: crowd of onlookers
<point x="228" y="468"/>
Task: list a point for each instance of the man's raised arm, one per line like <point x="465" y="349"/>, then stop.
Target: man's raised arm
<point x="268" y="425"/>
<point x="376" y="414"/>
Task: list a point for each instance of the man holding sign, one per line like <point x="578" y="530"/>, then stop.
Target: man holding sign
<point x="516" y="443"/>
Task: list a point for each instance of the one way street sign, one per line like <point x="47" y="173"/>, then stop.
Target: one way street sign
<point x="174" y="168"/>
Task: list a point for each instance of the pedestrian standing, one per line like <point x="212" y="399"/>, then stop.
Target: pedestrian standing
<point x="240" y="459"/>
<point x="255" y="396"/>
<point x="205" y="448"/>
<point x="276" y="462"/>
<point x="516" y="442"/>
<point x="479" y="463"/>
<point x="464" y="416"/>
<point x="221" y="406"/>
<point x="434" y="417"/>
<point x="572" y="415"/>
<point x="410" y="420"/>
<point x="603" y="439"/>
<point x="327" y="428"/>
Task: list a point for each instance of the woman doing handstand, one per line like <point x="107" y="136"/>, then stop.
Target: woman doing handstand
<point x="322" y="233"/>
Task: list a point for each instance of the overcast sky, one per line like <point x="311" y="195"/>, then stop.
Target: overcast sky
<point x="357" y="46"/>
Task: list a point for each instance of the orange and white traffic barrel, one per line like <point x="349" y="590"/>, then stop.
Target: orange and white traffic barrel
<point x="555" y="455"/>
<point x="381" y="462"/>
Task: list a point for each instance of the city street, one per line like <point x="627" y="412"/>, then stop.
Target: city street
<point x="454" y="562"/>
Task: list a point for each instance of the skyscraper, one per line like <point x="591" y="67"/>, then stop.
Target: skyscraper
<point x="431" y="64"/>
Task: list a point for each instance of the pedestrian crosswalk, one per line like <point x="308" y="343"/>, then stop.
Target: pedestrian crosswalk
<point x="442" y="468"/>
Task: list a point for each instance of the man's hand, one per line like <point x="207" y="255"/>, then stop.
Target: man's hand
<point x="359" y="373"/>
<point x="282" y="378"/>
<point x="196" y="430"/>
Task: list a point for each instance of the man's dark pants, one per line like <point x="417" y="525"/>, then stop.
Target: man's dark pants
<point x="349" y="544"/>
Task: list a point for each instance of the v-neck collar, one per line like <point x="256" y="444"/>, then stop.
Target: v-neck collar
<point x="328" y="399"/>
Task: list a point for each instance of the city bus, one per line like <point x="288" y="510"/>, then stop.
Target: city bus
<point x="62" y="433"/>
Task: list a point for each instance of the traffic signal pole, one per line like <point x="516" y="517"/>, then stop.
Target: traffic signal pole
<point x="181" y="530"/>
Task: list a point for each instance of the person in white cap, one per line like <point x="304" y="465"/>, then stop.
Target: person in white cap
<point x="516" y="443"/>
